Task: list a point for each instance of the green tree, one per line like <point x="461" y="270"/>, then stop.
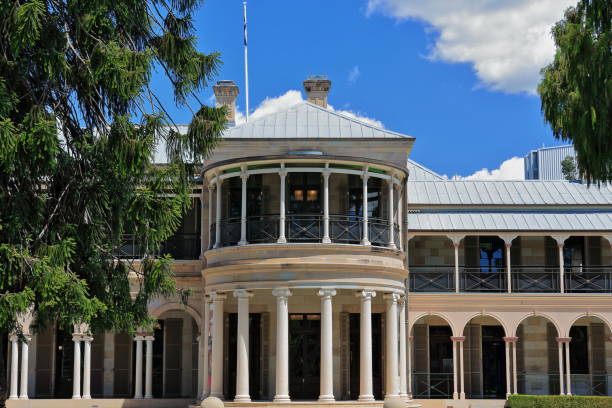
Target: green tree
<point x="568" y="168"/>
<point x="79" y="125"/>
<point x="576" y="88"/>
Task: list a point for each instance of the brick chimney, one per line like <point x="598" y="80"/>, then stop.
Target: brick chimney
<point x="225" y="94"/>
<point x="317" y="88"/>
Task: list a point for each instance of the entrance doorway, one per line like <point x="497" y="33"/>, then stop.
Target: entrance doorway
<point x="255" y="357"/>
<point x="304" y="356"/>
<point x="493" y="362"/>
<point x="377" y="360"/>
<point x="64" y="363"/>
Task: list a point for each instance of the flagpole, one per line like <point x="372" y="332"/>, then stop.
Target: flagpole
<point x="246" y="61"/>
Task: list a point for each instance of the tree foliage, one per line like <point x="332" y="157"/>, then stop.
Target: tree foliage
<point x="79" y="127"/>
<point x="568" y="168"/>
<point x="576" y="88"/>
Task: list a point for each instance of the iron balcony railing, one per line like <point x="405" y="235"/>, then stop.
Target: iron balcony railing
<point x="179" y="246"/>
<point x="483" y="279"/>
<point x="432" y="278"/>
<point x="432" y="385"/>
<point x="535" y="279"/>
<point x="591" y="384"/>
<point x="538" y="383"/>
<point x="588" y="279"/>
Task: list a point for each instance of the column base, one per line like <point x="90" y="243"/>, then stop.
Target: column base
<point x="243" y="243"/>
<point x="326" y="240"/>
<point x="366" y="242"/>
<point x="242" y="398"/>
<point x="13" y="397"/>
<point x="455" y="395"/>
<point x="76" y="397"/>
<point x="137" y="396"/>
<point x="148" y="397"/>
<point x="281" y="398"/>
<point x="462" y="395"/>
<point x="86" y="397"/>
<point x="366" y="398"/>
<point x="281" y="241"/>
<point x="391" y="397"/>
<point x="404" y="397"/>
<point x="392" y="246"/>
<point x="326" y="398"/>
<point x="23" y="397"/>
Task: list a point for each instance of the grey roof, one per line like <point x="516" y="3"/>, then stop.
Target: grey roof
<point x="507" y="193"/>
<point x="308" y="121"/>
<point x="418" y="172"/>
<point x="510" y="221"/>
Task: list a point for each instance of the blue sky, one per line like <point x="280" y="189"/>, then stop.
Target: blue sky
<point x="432" y="70"/>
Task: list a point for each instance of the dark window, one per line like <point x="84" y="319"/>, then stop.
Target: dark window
<point x="492" y="254"/>
<point x="579" y="350"/>
<point x="304" y="193"/>
<point x="356" y="196"/>
<point x="440" y="349"/>
<point x="573" y="252"/>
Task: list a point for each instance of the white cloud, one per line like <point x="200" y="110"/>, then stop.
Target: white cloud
<point x="506" y="41"/>
<point x="354" y="74"/>
<point x="511" y="169"/>
<point x="292" y="98"/>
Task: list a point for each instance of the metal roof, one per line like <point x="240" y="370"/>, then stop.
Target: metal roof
<point x="418" y="172"/>
<point x="308" y="121"/>
<point x="507" y="193"/>
<point x="510" y="221"/>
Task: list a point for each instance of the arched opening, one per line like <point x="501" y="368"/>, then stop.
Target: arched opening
<point x="537" y="357"/>
<point x="590" y="356"/>
<point x="432" y="357"/>
<point x="484" y="358"/>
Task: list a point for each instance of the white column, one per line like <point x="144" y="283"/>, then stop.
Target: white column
<point x="391" y="386"/>
<point x="326" y="174"/>
<point x="327" y="351"/>
<point x="242" y="342"/>
<point x="409" y="358"/>
<point x="514" y="374"/>
<point x="243" y="208"/>
<point x="508" y="244"/>
<point x="568" y="374"/>
<point x="281" y="207"/>
<point x="138" y="369"/>
<point x="507" y="348"/>
<point x="149" y="367"/>
<point x="461" y="371"/>
<point x="282" y="344"/>
<point x="204" y="336"/>
<point x="218" y="213"/>
<point x="211" y="189"/>
<point x="400" y="214"/>
<point x="23" y="393"/>
<point x="366" y="388"/>
<point x="403" y="366"/>
<point x="87" y="367"/>
<point x="560" y="244"/>
<point x="14" y="366"/>
<point x="456" y="240"/>
<point x="455" y="367"/>
<point x="364" y="177"/>
<point x="391" y="214"/>
<point x="216" y="383"/>
<point x="76" y="375"/>
<point x="560" y="349"/>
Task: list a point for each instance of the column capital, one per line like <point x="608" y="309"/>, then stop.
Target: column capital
<point x="560" y="239"/>
<point x="77" y="337"/>
<point x="242" y="294"/>
<point x="563" y="339"/>
<point x="327" y="292"/>
<point x="366" y="294"/>
<point x="457" y="339"/>
<point x="149" y="338"/>
<point x="26" y="338"/>
<point x="608" y="238"/>
<point x="391" y="297"/>
<point x="456" y="239"/>
<point x="244" y="176"/>
<point x="14" y="337"/>
<point x="139" y="337"/>
<point x="510" y="339"/>
<point x="508" y="239"/>
<point x="211" y="186"/>
<point x="326" y="172"/>
<point x="364" y="175"/>
<point x="281" y="292"/>
<point x="282" y="173"/>
<point x="87" y="338"/>
<point x="218" y="297"/>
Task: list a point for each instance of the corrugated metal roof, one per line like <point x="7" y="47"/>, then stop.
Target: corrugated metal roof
<point x="507" y="193"/>
<point x="421" y="173"/>
<point x="510" y="221"/>
<point x="308" y="121"/>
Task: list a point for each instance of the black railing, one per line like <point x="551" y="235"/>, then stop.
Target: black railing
<point x="346" y="229"/>
<point x="230" y="231"/>
<point x="532" y="279"/>
<point x="481" y="279"/>
<point x="432" y="385"/>
<point x="590" y="384"/>
<point x="304" y="228"/>
<point x="538" y="383"/>
<point x="588" y="279"/>
<point x="179" y="246"/>
<point x="396" y="235"/>
<point x="432" y="279"/>
<point x="262" y="229"/>
<point x="378" y="231"/>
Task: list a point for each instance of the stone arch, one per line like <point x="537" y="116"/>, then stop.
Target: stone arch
<point x="487" y="314"/>
<point x="581" y="315"/>
<point x="440" y="315"/>
<point x="538" y="314"/>
<point x="166" y="307"/>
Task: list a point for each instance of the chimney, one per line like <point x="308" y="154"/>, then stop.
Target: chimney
<point x="225" y="94"/>
<point x="317" y="88"/>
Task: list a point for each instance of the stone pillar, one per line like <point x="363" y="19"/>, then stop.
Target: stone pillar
<point x="391" y="214"/>
<point x="211" y="188"/>
<point x="23" y="393"/>
<point x="391" y="373"/>
<point x="560" y="349"/>
<point x="400" y="214"/>
<point x="461" y="370"/>
<point x="507" y="349"/>
<point x="568" y="373"/>
<point x="456" y="239"/>
<point x="514" y="373"/>
<point x="149" y="367"/>
<point x="243" y="208"/>
<point x="281" y="206"/>
<point x="409" y="358"/>
<point x="403" y="365"/>
<point x="455" y="367"/>
<point x="218" y="213"/>
<point x="138" y="369"/>
<point x="216" y="386"/>
<point x="508" y="244"/>
<point x="364" y="177"/>
<point x="13" y="395"/>
<point x="242" y="352"/>
<point x="87" y="367"/>
<point x="327" y="351"/>
<point x="326" y="174"/>
<point x="366" y="388"/>
<point x="76" y="375"/>
<point x="560" y="244"/>
<point x="282" y="344"/>
<point x="204" y="336"/>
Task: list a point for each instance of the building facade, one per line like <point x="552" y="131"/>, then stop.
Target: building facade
<point x="545" y="163"/>
<point x="326" y="267"/>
